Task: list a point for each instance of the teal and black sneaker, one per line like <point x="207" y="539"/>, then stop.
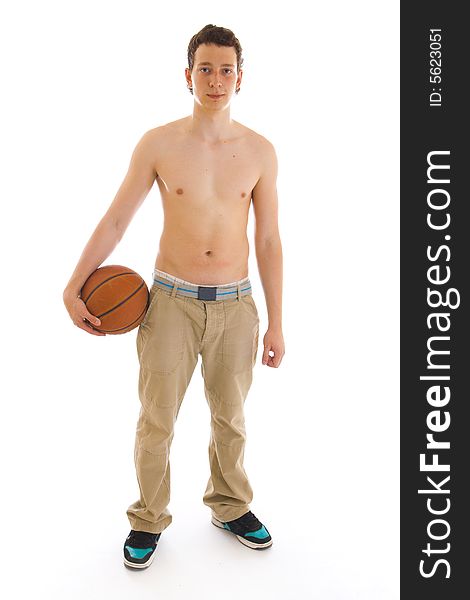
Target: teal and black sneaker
<point x="139" y="548"/>
<point x="248" y="529"/>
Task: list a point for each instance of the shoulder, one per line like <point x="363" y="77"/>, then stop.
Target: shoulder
<point x="262" y="147"/>
<point x="167" y="129"/>
<point x="263" y="154"/>
<point x="150" y="138"/>
<point x="156" y="141"/>
<point x="267" y="150"/>
<point x="266" y="154"/>
<point x="254" y="138"/>
<point x="152" y="145"/>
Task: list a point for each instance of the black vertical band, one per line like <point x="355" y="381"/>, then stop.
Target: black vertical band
<point x="435" y="250"/>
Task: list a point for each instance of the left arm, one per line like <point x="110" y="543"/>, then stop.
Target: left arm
<point x="269" y="253"/>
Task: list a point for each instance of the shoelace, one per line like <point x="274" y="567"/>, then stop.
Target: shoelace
<point x="140" y="539"/>
<point x="247" y="523"/>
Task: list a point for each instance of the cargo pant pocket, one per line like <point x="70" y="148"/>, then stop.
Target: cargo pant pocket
<point x="160" y="339"/>
<point x="240" y="337"/>
<point x="152" y="299"/>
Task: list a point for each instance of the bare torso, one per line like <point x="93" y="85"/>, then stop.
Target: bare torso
<point x="206" y="192"/>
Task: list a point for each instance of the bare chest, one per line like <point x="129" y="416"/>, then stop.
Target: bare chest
<point x="222" y="177"/>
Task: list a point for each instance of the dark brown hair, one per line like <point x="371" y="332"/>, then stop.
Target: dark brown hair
<point x="220" y="36"/>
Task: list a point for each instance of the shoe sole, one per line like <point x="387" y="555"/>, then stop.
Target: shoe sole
<point x="241" y="539"/>
<point x="140" y="565"/>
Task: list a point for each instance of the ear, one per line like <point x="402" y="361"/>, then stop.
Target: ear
<point x="239" y="79"/>
<point x="187" y="74"/>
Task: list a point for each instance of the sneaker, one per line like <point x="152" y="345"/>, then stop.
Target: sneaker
<point x="248" y="529"/>
<point x="139" y="548"/>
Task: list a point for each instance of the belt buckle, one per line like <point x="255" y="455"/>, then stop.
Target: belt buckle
<point x="206" y="293"/>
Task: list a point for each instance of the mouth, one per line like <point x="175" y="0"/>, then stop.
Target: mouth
<point x="215" y="96"/>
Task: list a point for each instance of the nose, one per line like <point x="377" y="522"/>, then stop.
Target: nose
<point x="218" y="83"/>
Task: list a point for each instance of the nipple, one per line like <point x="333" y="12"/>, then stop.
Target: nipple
<point x="179" y="191"/>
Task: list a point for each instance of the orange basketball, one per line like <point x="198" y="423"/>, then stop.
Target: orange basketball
<point x="118" y="296"/>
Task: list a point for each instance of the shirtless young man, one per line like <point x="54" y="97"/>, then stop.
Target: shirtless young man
<point x="208" y="168"/>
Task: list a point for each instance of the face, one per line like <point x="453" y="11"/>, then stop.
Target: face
<point x="214" y="76"/>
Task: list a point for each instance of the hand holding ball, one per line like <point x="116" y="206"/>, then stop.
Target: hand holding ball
<point x="118" y="296"/>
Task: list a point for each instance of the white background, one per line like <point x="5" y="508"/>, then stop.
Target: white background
<point x="82" y="81"/>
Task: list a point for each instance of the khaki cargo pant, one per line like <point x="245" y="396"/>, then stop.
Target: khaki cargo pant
<point x="175" y="330"/>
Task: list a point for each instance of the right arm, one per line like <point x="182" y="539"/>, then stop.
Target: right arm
<point x="134" y="189"/>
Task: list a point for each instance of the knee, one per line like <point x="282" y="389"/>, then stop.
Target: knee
<point x="154" y="436"/>
<point x="228" y="432"/>
<point x="155" y="443"/>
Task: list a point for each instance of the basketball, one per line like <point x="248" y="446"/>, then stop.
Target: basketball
<point x="118" y="296"/>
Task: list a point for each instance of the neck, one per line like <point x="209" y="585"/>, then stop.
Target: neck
<point x="210" y="125"/>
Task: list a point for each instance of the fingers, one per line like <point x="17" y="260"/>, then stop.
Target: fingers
<point x="94" y="320"/>
<point x="91" y="330"/>
<point x="271" y="361"/>
<point x="83" y="324"/>
<point x="266" y="356"/>
<point x="82" y="317"/>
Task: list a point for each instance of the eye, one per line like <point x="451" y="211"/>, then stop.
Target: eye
<point x="202" y="68"/>
<point x="228" y="70"/>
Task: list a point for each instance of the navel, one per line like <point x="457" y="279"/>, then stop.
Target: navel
<point x="179" y="191"/>
<point x="208" y="252"/>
